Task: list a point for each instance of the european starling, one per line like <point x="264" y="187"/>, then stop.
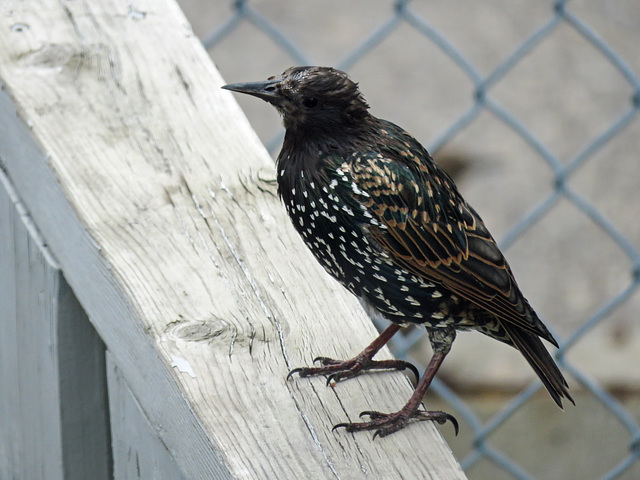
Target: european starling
<point x="390" y="225"/>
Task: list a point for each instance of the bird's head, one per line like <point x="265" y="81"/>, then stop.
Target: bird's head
<point x="310" y="98"/>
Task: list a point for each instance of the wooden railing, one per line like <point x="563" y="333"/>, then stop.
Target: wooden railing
<point x="153" y="295"/>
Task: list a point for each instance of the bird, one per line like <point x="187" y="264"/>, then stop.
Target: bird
<point x="388" y="223"/>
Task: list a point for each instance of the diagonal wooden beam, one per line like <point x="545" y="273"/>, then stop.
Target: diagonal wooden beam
<point x="156" y="198"/>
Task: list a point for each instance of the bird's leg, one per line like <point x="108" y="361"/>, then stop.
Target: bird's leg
<point x="339" y="370"/>
<point x="387" y="423"/>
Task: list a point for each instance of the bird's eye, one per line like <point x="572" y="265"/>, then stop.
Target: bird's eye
<point x="310" y="102"/>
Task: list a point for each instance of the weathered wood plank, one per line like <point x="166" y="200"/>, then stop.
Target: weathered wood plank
<point x="157" y="199"/>
<point x="53" y="415"/>
<point x="138" y="453"/>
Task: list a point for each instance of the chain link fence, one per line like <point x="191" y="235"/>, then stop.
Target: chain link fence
<point x="564" y="163"/>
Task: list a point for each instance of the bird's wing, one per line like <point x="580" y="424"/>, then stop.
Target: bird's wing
<point x="427" y="227"/>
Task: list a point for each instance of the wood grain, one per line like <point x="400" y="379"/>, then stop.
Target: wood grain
<point x="158" y="201"/>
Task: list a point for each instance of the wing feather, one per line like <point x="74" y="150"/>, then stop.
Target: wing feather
<point x="426" y="227"/>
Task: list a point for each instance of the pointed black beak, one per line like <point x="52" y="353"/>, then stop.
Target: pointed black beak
<point x="265" y="90"/>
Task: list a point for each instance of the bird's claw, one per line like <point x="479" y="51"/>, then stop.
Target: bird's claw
<point x="326" y="361"/>
<point x="340" y="425"/>
<point x="372" y="415"/>
<point x="294" y="371"/>
<point x="341" y="370"/>
<point x="388" y="423"/>
<point x="453" y="421"/>
<point x="414" y="370"/>
<point x="342" y="375"/>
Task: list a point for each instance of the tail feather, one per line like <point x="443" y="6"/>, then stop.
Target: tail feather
<point x="540" y="360"/>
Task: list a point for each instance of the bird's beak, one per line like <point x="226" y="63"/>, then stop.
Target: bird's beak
<point x="265" y="90"/>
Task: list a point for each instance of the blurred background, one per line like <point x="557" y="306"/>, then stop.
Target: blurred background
<point x="532" y="106"/>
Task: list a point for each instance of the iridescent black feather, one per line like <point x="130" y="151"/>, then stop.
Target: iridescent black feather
<point x="388" y="223"/>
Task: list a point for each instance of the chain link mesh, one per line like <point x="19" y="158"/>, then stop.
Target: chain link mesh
<point x="560" y="14"/>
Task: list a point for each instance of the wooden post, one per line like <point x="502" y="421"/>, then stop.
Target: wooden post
<point x="137" y="452"/>
<point x="53" y="400"/>
<point x="157" y="200"/>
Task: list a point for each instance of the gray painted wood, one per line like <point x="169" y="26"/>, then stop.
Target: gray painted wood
<point x="53" y="412"/>
<point x="157" y="200"/>
<point x="138" y="453"/>
<point x="29" y="403"/>
<point x="84" y="413"/>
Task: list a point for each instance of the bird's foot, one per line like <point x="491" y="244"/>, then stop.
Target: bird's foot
<point x="337" y="370"/>
<point x="387" y="423"/>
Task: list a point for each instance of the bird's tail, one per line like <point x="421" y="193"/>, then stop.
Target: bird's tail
<point x="538" y="357"/>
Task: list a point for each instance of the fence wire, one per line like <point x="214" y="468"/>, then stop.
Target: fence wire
<point x="560" y="14"/>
